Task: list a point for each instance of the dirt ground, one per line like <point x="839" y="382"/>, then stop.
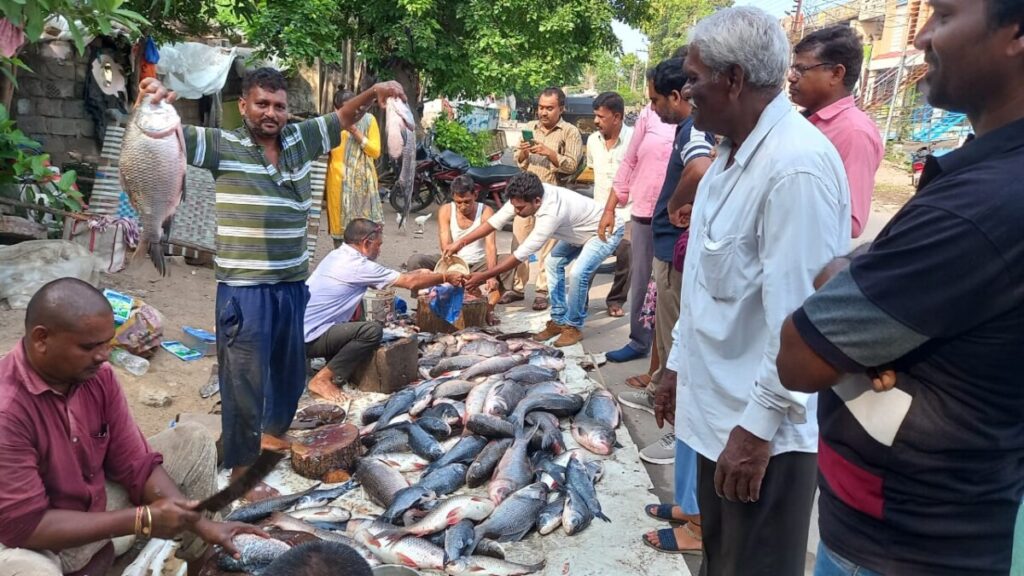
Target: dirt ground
<point x="186" y="298"/>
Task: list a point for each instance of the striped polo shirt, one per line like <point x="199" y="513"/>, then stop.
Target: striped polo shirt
<point x="262" y="210"/>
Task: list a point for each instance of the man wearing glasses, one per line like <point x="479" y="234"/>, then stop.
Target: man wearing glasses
<point x="826" y="65"/>
<point x="336" y="288"/>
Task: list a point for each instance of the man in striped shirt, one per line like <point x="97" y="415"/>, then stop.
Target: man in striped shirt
<point x="263" y="199"/>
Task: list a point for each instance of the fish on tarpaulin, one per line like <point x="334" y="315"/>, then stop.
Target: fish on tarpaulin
<point x="152" y="169"/>
<point x="401" y="130"/>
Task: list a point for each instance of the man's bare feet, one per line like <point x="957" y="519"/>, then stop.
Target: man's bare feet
<point x="259" y="492"/>
<point x="322" y="386"/>
<point x="275" y="443"/>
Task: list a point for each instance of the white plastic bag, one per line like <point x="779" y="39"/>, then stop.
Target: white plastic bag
<point x="26" y="267"/>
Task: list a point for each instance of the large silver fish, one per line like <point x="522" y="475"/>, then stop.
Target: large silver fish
<point x="255" y="554"/>
<point x="401" y="127"/>
<point x="380" y="481"/>
<point x="152" y="168"/>
<point x="514" y="517"/>
<point x="448" y="513"/>
<point x="475" y="565"/>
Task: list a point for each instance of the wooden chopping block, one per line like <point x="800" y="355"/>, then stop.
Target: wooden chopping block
<point x="212" y="424"/>
<point x="474" y="313"/>
<point x="329" y="448"/>
<point x="392" y="367"/>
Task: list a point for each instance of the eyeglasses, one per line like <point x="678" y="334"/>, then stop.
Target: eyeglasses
<point x="800" y="70"/>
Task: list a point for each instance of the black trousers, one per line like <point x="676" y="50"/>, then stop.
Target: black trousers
<point x="765" y="538"/>
<point x="346" y="346"/>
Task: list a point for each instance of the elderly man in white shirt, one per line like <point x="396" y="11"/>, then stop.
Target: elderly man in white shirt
<point x="606" y="149"/>
<point x="571" y="219"/>
<point x="771" y="211"/>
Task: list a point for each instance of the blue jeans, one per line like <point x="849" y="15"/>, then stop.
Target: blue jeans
<point x="831" y="564"/>
<point x="569" y="297"/>
<point x="261" y="355"/>
<point x="686" y="478"/>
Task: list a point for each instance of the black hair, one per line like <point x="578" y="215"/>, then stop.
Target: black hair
<point x="269" y="79"/>
<point x="361" y="229"/>
<point x="525" y="186"/>
<point x="319" y="558"/>
<point x="554" y="91"/>
<point x="462" y="184"/>
<point x="669" y="76"/>
<point x="836" y="45"/>
<point x="1006" y="13"/>
<point x="342" y="96"/>
<point x="612" y="101"/>
<point x="650" y="74"/>
<point x="60" y="303"/>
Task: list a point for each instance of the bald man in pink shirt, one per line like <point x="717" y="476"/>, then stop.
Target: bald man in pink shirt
<point x="826" y="65"/>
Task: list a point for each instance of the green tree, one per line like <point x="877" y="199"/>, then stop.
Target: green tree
<point x="668" y="22"/>
<point x="469" y="48"/>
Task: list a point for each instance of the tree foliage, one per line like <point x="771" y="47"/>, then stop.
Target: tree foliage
<point x="612" y="71"/>
<point x="95" y="17"/>
<point x="468" y="48"/>
<point x="668" y="23"/>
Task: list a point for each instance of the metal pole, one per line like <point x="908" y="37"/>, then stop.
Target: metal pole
<point x="796" y="16"/>
<point x="896" y="90"/>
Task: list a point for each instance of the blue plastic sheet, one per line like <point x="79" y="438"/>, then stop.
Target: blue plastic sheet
<point x="446" y="301"/>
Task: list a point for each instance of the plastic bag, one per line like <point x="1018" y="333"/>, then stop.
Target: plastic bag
<point x="446" y="302"/>
<point x="142" y="333"/>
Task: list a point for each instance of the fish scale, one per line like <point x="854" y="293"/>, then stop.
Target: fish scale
<point x="152" y="171"/>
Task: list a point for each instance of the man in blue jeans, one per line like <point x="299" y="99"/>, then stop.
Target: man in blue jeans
<point x="571" y="219"/>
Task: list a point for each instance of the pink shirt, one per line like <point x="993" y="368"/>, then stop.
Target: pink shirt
<point x="642" y="171"/>
<point x="56" y="451"/>
<point x="857" y="139"/>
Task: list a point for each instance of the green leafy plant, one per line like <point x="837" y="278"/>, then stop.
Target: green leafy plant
<point x="23" y="164"/>
<point x="452" y="135"/>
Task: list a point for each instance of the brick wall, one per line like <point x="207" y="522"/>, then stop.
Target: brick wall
<point x="48" y="105"/>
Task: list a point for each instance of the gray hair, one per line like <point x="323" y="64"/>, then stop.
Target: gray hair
<point x="747" y="37"/>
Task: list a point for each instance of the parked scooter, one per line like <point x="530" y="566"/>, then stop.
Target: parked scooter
<point x="436" y="171"/>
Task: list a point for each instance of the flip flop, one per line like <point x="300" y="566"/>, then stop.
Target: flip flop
<point x="540" y="303"/>
<point x="667" y="542"/>
<point x="663" y="512"/>
<point x="640" y="381"/>
<point x="616" y="311"/>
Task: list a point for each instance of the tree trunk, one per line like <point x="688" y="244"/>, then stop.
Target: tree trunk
<point x="409" y="78"/>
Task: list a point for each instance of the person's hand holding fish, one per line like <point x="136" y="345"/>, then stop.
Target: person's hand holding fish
<point x="223" y="533"/>
<point x="156" y="90"/>
<point x="389" y="89"/>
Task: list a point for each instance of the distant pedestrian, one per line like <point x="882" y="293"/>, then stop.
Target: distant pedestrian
<point x="927" y="476"/>
<point x="351" y="189"/>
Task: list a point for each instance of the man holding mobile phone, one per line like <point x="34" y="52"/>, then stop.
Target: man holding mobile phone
<point x="552" y="149"/>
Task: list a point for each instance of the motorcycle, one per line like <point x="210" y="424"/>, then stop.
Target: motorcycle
<point x="435" y="173"/>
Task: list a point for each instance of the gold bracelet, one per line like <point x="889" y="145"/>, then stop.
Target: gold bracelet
<point x="147" y="528"/>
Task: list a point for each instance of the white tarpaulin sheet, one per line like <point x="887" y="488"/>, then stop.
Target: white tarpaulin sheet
<point x="193" y="70"/>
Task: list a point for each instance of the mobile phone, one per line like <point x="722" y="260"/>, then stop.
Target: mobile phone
<point x="527" y="135"/>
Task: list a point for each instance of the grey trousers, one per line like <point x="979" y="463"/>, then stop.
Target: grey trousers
<point x="666" y="313"/>
<point x="346" y="346"/>
<point x="764" y="538"/>
<point x="619" y="292"/>
<point x="190" y="459"/>
<point x="641" y="264"/>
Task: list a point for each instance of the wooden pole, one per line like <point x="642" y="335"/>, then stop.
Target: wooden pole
<point x="47" y="209"/>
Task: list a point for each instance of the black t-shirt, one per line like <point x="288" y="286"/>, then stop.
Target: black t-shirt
<point x="689" y="145"/>
<point x="927" y="478"/>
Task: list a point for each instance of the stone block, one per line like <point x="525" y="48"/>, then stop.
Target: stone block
<point x="23" y="106"/>
<point x="29" y="86"/>
<point x="74" y="109"/>
<point x="88" y="129"/>
<point x="50" y="108"/>
<point x="31" y="124"/>
<point x="62" y="127"/>
<point x="60" y="70"/>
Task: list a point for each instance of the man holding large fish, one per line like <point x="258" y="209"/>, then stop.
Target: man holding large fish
<point x="262" y="172"/>
<point x="75" y="471"/>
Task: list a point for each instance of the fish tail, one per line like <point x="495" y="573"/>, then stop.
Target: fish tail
<point x="602" y="516"/>
<point x="153" y="250"/>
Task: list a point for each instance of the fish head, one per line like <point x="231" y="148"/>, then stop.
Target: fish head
<point x="265" y="111"/>
<point x="573" y="519"/>
<point x="157" y="120"/>
<point x="598" y="439"/>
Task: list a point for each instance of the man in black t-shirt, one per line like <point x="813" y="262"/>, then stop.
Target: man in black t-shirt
<point x="927" y="477"/>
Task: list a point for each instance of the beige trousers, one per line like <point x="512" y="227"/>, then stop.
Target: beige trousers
<point x="521" y="228"/>
<point x="666" y="312"/>
<point x="190" y="459"/>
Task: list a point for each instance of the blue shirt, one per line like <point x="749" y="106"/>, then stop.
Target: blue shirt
<point x="689" y="145"/>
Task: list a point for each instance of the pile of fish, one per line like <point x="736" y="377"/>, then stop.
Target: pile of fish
<point x="469" y="457"/>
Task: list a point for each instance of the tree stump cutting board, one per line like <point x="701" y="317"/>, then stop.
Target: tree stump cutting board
<point x="329" y="448"/>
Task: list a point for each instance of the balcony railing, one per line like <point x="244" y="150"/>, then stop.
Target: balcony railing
<point x="870" y="9"/>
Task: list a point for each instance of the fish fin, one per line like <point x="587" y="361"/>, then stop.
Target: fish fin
<point x="602" y="516"/>
<point x="407" y="561"/>
<point x="453" y="518"/>
<point x="390" y="537"/>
